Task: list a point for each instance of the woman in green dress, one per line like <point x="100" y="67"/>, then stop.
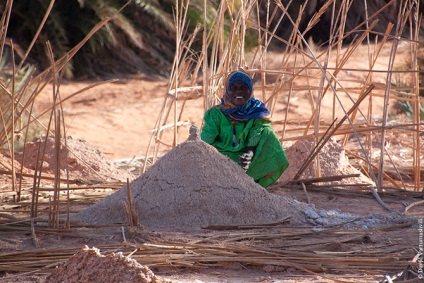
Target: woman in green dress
<point x="239" y="128"/>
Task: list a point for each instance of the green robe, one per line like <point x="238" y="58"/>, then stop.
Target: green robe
<point x="269" y="155"/>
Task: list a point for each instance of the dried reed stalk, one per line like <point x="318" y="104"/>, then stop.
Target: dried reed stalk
<point x="132" y="215"/>
<point x="52" y="72"/>
<point x="231" y="55"/>
<point x="369" y="259"/>
<point x="34" y="198"/>
<point x="416" y="18"/>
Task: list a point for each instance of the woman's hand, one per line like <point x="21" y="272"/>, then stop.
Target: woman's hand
<point x="246" y="157"/>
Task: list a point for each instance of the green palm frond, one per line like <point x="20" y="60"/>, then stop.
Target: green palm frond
<point x="139" y="38"/>
<point x="157" y="13"/>
<point x="405" y="107"/>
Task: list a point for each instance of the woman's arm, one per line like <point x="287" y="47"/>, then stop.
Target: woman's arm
<point x="256" y="132"/>
<point x="210" y="129"/>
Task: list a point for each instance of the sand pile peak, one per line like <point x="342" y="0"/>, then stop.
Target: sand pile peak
<point x="193" y="186"/>
<point x="89" y="265"/>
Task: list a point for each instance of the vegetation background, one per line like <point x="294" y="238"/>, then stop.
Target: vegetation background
<point x="141" y="38"/>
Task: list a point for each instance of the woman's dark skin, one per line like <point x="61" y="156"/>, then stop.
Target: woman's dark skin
<point x="239" y="93"/>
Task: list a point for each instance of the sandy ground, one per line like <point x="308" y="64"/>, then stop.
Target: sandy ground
<point x="117" y="118"/>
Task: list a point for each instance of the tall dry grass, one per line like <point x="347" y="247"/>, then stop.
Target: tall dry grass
<point x="324" y="74"/>
<point x="359" y="94"/>
<point x="20" y="87"/>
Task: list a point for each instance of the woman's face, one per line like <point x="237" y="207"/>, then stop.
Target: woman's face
<point x="239" y="93"/>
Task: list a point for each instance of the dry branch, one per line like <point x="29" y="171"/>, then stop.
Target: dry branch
<point x="369" y="259"/>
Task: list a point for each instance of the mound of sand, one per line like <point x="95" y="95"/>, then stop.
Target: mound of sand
<point x="82" y="160"/>
<point x="193" y="186"/>
<point x="88" y="266"/>
<point x="6" y="166"/>
<point x="333" y="162"/>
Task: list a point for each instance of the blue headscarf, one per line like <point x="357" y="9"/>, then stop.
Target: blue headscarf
<point x="253" y="108"/>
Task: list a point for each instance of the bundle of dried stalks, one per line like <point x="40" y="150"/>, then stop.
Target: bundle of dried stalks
<point x="248" y="248"/>
<point x="18" y="95"/>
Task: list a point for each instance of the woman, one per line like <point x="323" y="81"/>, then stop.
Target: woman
<point x="239" y="127"/>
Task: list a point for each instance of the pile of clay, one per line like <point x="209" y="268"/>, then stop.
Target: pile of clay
<point x="193" y="186"/>
<point x="77" y="158"/>
<point x="332" y="162"/>
<point x="89" y="265"/>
